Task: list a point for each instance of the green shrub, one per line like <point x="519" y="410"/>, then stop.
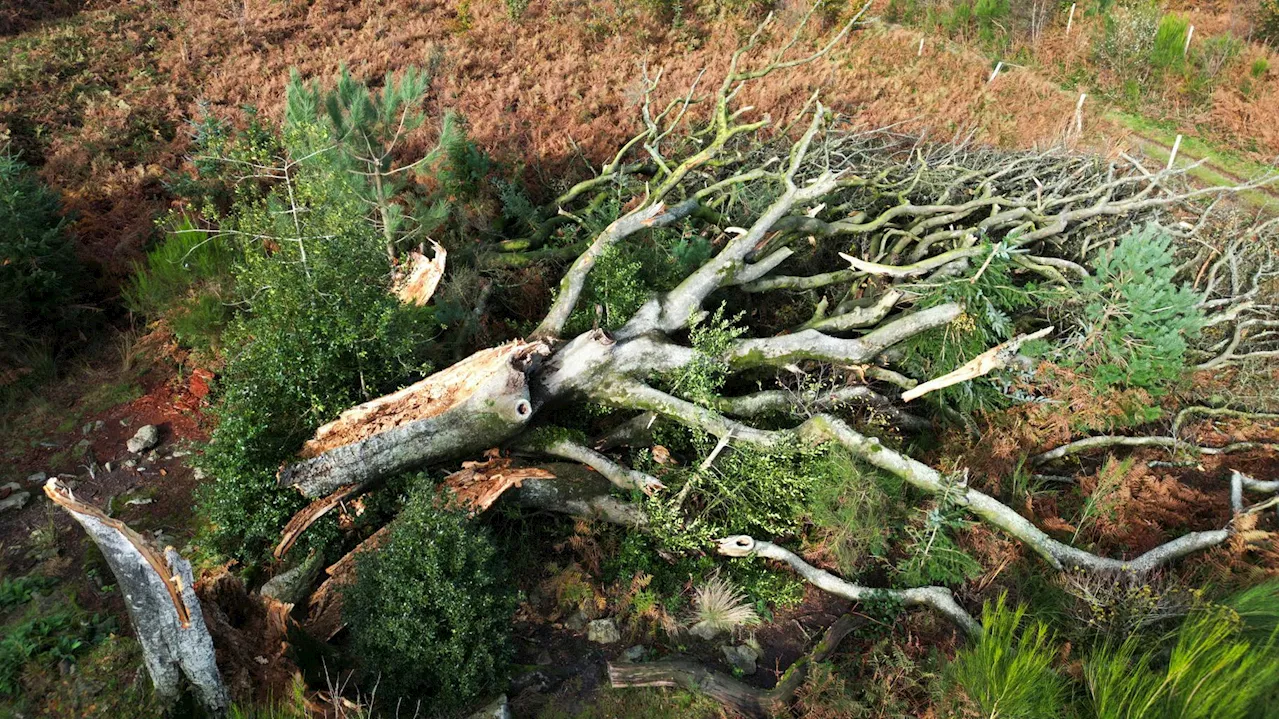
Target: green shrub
<point x="1008" y="671"/>
<point x="1214" y="670"/>
<point x="853" y="514"/>
<point x="318" y="331"/>
<point x="1125" y="47"/>
<point x="1171" y="35"/>
<point x="41" y="281"/>
<point x="1137" y="318"/>
<point x="1266" y="21"/>
<point x="185" y="278"/>
<point x="430" y="610"/>
<point x="747" y="490"/>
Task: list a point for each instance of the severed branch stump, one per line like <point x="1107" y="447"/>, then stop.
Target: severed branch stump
<point x="160" y="596"/>
<point x="734" y="694"/>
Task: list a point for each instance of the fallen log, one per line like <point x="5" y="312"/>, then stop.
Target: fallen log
<point x="470" y="406"/>
<point x="735" y="695"/>
<point x="160" y="597"/>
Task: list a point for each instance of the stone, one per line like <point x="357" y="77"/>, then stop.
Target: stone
<point x="544" y="658"/>
<point x="15" y="497"/>
<point x="741" y="657"/>
<point x="603" y="631"/>
<point x="634" y="654"/>
<point x="293" y="586"/>
<point x="108" y="466"/>
<point x="704" y="631"/>
<point x="38" y="478"/>
<point x="145" y="438"/>
<point x="130" y="464"/>
<point x="497" y="709"/>
<point x="138" y="501"/>
<point x="576" y="621"/>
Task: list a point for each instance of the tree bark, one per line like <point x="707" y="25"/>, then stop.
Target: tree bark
<point x="473" y="405"/>
<point x="161" y="600"/>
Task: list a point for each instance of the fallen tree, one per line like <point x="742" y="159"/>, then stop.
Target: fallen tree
<point x="912" y="215"/>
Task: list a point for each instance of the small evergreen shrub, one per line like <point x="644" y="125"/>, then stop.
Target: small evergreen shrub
<point x="1008" y="671"/>
<point x="1266" y="21"/>
<point x="1137" y="318"/>
<point x="1171" y="35"/>
<point x="1215" y="670"/>
<point x="41" y="281"/>
<point x="430" y="610"/>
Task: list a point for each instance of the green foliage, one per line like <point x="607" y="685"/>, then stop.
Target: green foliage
<point x="990" y="299"/>
<point x="1258" y="610"/>
<point x="45" y="640"/>
<point x="931" y="553"/>
<point x="430" y="611"/>
<point x="1008" y="671"/>
<point x="852" y="513"/>
<point x="1171" y="34"/>
<point x="700" y="381"/>
<point x="1266" y="21"/>
<point x="627" y="274"/>
<point x="41" y="281"/>
<point x="516" y="8"/>
<point x="1214" y="670"/>
<point x="186" y="278"/>
<point x="19" y="590"/>
<point x="747" y="490"/>
<point x="1125" y="47"/>
<point x="1137" y="318"/>
<point x="318" y="330"/>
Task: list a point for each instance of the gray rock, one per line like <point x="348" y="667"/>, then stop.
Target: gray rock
<point x="130" y="464"/>
<point x="577" y="621"/>
<point x="634" y="654"/>
<point x="741" y="657"/>
<point x="108" y="466"/>
<point x="497" y="709"/>
<point x="293" y="586"/>
<point x="38" y="478"/>
<point x="178" y="453"/>
<point x="16" y="496"/>
<point x="603" y="631"/>
<point x="704" y="631"/>
<point x="145" y="438"/>
<point x="197" y="473"/>
<point x="138" y="501"/>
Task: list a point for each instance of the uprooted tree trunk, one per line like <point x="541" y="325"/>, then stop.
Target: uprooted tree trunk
<point x="915" y="212"/>
<point x="160" y="596"/>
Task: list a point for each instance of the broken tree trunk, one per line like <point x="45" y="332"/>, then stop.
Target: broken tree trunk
<point x="160" y="596"/>
<point x="473" y="405"/>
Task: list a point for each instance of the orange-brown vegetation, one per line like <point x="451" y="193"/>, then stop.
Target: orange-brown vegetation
<point x="102" y="99"/>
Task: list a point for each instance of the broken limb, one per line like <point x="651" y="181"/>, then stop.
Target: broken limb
<point x="308" y="516"/>
<point x="620" y="476"/>
<point x="160" y="597"/>
<point x="1110" y="440"/>
<point x="997" y="514"/>
<point x="1241" y="481"/>
<point x="939" y="599"/>
<point x="997" y="357"/>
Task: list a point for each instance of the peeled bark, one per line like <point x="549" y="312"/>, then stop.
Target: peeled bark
<point x="160" y="597"/>
<point x="473" y="405"/>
